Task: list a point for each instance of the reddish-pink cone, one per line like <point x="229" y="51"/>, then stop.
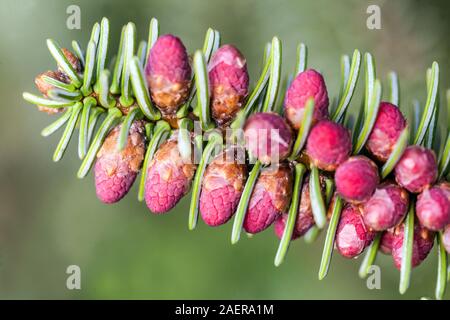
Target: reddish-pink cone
<point x="280" y="224"/>
<point x="386" y="208"/>
<point x="308" y="84"/>
<point x="228" y="81"/>
<point x="422" y="245"/>
<point x="352" y="235"/>
<point x="388" y="126"/>
<point x="115" y="170"/>
<point x="305" y="218"/>
<point x="446" y="238"/>
<point x="268" y="137"/>
<point x="356" y="179"/>
<point x="417" y="169"/>
<point x="386" y="241"/>
<point x="433" y="207"/>
<point x="222" y="187"/>
<point x="169" y="177"/>
<point x="168" y="74"/>
<point x="328" y="145"/>
<point x="270" y="198"/>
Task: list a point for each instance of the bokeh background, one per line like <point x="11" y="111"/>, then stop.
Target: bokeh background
<point x="49" y="219"/>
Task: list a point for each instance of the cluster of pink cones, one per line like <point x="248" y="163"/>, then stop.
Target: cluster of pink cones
<point x="255" y="175"/>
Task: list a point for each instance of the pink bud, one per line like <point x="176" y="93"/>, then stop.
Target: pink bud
<point x="308" y="84"/>
<point x="388" y="126"/>
<point x="115" y="170"/>
<point x="222" y="186"/>
<point x="168" y="74"/>
<point x="169" y="178"/>
<point x="268" y="137"/>
<point x="386" y="208"/>
<point x="386" y="241"/>
<point x="356" y="179"/>
<point x="270" y="198"/>
<point x="417" y="169"/>
<point x="228" y="81"/>
<point x="328" y="145"/>
<point x="422" y="244"/>
<point x="352" y="236"/>
<point x="433" y="207"/>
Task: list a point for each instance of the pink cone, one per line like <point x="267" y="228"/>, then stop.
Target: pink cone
<point x="356" y="179"/>
<point x="168" y="74"/>
<point x="433" y="207"/>
<point x="386" y="241"/>
<point x="222" y="187"/>
<point x="352" y="236"/>
<point x="388" y="126"/>
<point x="446" y="238"/>
<point x="169" y="178"/>
<point x="280" y="225"/>
<point x="305" y="218"/>
<point x="417" y="169"/>
<point x="422" y="245"/>
<point x="328" y="145"/>
<point x="308" y="84"/>
<point x="270" y="198"/>
<point x="386" y="208"/>
<point x="115" y="171"/>
<point x="228" y="81"/>
<point x="268" y="137"/>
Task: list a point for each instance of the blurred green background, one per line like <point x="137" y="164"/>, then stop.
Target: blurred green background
<point x="49" y="219"/>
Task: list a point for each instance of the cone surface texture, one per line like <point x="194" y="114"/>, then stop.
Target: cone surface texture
<point x="228" y="81"/>
<point x="168" y="74"/>
<point x="169" y="178"/>
<point x="308" y="84"/>
<point x="222" y="187"/>
<point x="388" y="126"/>
<point x="270" y="198"/>
<point x="417" y="169"/>
<point x="115" y="170"/>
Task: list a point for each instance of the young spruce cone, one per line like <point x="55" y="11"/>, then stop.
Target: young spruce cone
<point x="169" y="177"/>
<point x="422" y="245"/>
<point x="329" y="144"/>
<point x="307" y="84"/>
<point x="222" y="187"/>
<point x="386" y="208"/>
<point x="388" y="126"/>
<point x="417" y="169"/>
<point x="268" y="137"/>
<point x="270" y="198"/>
<point x="356" y="179"/>
<point x="386" y="241"/>
<point x="168" y="74"/>
<point x="228" y="81"/>
<point x="433" y="207"/>
<point x="115" y="170"/>
<point x="352" y="235"/>
<point x="305" y="218"/>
